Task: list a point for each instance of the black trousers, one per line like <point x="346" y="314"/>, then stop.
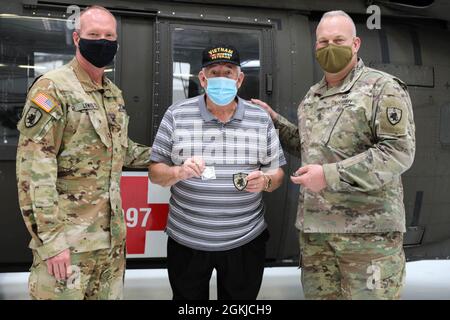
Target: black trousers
<point x="239" y="271"/>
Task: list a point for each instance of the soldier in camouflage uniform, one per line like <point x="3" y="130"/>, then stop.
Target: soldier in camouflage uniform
<point x="355" y="137"/>
<point x="73" y="144"/>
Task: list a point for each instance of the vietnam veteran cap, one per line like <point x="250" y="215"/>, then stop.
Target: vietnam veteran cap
<point x="220" y="53"/>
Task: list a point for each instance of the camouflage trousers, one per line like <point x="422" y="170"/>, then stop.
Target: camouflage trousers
<point x="352" y="266"/>
<point x="96" y="275"/>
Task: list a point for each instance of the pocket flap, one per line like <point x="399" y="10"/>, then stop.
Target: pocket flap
<point x="44" y="196"/>
<point x="100" y="125"/>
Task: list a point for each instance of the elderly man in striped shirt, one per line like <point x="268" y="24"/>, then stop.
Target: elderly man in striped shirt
<point x="218" y="153"/>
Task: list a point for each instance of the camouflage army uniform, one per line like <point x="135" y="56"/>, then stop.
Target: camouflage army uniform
<point x="73" y="144"/>
<point x="363" y="134"/>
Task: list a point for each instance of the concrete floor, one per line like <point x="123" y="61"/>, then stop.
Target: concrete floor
<point x="424" y="280"/>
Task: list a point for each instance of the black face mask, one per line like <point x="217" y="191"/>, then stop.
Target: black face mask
<point x="98" y="52"/>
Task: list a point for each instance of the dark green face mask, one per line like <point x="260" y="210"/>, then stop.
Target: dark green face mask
<point x="333" y="58"/>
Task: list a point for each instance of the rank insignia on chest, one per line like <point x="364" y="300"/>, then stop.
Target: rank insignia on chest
<point x="394" y="115"/>
<point x="84" y="107"/>
<point x="32" y="117"/>
<point x="240" y="180"/>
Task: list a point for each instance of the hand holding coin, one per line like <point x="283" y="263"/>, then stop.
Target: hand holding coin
<point x="311" y="177"/>
<point x="192" y="167"/>
<point x="256" y="181"/>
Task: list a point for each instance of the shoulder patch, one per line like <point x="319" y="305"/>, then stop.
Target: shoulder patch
<point x="44" y="101"/>
<point x="32" y="117"/>
<point x="394" y="115"/>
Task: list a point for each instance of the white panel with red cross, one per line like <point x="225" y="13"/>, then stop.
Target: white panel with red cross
<point x="146" y="206"/>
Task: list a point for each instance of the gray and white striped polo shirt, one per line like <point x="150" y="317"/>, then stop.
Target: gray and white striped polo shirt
<point x="212" y="215"/>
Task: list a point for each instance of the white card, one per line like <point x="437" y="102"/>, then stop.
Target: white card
<point x="209" y="173"/>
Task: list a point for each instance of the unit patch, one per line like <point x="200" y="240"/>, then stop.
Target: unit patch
<point x="394" y="115"/>
<point x="32" y="117"/>
<point x="240" y="180"/>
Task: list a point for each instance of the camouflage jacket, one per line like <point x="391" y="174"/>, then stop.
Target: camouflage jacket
<point x="363" y="134"/>
<point x="72" y="146"/>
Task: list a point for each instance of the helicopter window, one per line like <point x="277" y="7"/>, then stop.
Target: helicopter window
<point x="188" y="43"/>
<point x="29" y="47"/>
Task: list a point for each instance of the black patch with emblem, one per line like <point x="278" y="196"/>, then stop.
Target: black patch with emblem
<point x="84" y="107"/>
<point x="240" y="180"/>
<point x="394" y="115"/>
<point x="32" y="117"/>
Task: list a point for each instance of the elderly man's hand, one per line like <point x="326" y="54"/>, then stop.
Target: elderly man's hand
<point x="192" y="167"/>
<point x="266" y="107"/>
<point x="311" y="177"/>
<point x="255" y="181"/>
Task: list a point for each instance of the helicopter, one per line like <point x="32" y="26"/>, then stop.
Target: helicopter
<point x="158" y="62"/>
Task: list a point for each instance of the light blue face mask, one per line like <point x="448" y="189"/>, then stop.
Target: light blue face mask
<point x="221" y="90"/>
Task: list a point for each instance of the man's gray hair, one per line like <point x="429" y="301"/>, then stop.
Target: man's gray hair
<point x="339" y="13"/>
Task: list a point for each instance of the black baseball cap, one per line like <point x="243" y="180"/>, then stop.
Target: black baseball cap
<point x="220" y="53"/>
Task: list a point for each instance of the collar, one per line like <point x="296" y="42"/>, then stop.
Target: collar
<point x="86" y="82"/>
<point x="208" y="116"/>
<point x="320" y="89"/>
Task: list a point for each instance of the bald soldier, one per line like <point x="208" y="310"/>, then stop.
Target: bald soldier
<point x="355" y="136"/>
<point x="73" y="144"/>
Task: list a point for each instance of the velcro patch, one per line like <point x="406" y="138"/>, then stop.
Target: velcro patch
<point x="393" y="117"/>
<point x="44" y="102"/>
<point x="86" y="106"/>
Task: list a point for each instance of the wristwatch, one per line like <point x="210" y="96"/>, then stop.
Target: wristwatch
<point x="268" y="180"/>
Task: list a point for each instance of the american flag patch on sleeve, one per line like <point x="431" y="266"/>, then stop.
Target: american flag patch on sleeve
<point x="44" y="102"/>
